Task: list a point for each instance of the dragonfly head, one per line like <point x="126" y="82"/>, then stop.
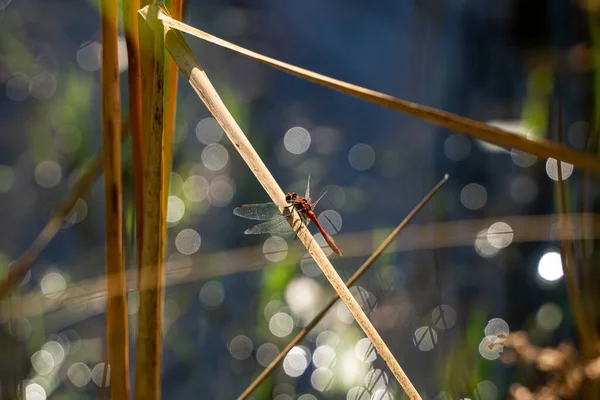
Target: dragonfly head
<point x="291" y="196"/>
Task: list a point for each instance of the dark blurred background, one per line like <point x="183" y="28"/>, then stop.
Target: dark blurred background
<point x="233" y="301"/>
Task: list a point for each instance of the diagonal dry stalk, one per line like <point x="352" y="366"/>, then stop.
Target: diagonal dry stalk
<point x="366" y="265"/>
<point x="184" y="58"/>
<point x="116" y="318"/>
<point x="152" y="272"/>
<point x="479" y="130"/>
<point x="20" y="267"/>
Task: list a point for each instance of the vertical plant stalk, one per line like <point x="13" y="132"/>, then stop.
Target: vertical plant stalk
<point x="152" y="273"/>
<point x="116" y="327"/>
<point x="566" y="251"/>
<point x="130" y="22"/>
<point x="189" y="66"/>
<point x="585" y="323"/>
<point x="359" y="272"/>
<point x="170" y="103"/>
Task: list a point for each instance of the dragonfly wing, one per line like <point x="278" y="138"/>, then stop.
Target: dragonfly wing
<point x="277" y="225"/>
<point x="259" y="212"/>
<point x="307" y="195"/>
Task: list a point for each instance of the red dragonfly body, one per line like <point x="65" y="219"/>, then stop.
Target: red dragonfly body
<point x="277" y="223"/>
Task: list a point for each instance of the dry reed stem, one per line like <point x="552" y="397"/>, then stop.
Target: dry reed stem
<point x="116" y="325"/>
<point x="152" y="273"/>
<point x="479" y="130"/>
<point x="583" y="320"/>
<point x="188" y="65"/>
<point x="366" y="265"/>
<point x="580" y="317"/>
<point x="170" y="104"/>
<point x="130" y="22"/>
<point x="533" y="228"/>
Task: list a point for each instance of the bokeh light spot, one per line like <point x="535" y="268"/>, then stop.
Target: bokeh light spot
<point x="195" y="188"/>
<point x="365" y="351"/>
<point x="328" y="338"/>
<point x="43" y="86"/>
<point x="361" y="156"/>
<point x="324" y="356"/>
<point x="344" y="314"/>
<point x="42" y="362"/>
<point x="296" y="361"/>
<point x="485" y="390"/>
<point x="18" y="87"/>
<point x="281" y="324"/>
<point x="483" y="246"/>
<point x="473" y="196"/>
<point x="358" y="393"/>
<point x="457" y="147"/>
<point x="48" y="174"/>
<point x="522" y="159"/>
<point x="331" y="221"/>
<point x="241" y="347"/>
<point x="550" y="267"/>
<point x="275" y="248"/>
<point x="266" y="353"/>
<point x="309" y="267"/>
<point x="208" y="131"/>
<point x="98" y="374"/>
<point x="490" y="347"/>
<point x="35" y="391"/>
<point x="321" y="379"/>
<point x="215" y="157"/>
<point x="376" y="379"/>
<point x="53" y="285"/>
<point x="221" y="191"/>
<point x="497" y="327"/>
<point x="89" y="56"/>
<point x="297" y="140"/>
<point x="56" y="350"/>
<point x="552" y="169"/>
<point x="212" y="294"/>
<point x="175" y="209"/>
<point x="425" y="338"/>
<point x="549" y="317"/>
<point x="79" y="374"/>
<point x="443" y="317"/>
<point x="500" y="235"/>
<point x="188" y="242"/>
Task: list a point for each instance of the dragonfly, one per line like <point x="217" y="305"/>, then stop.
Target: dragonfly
<point x="276" y="222"/>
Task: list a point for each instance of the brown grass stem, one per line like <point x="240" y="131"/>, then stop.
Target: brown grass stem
<point x="92" y="293"/>
<point x="172" y="80"/>
<point x="130" y="22"/>
<point x="152" y="273"/>
<point x="580" y="317"/>
<point x="476" y="129"/>
<point x="19" y="268"/>
<point x="366" y="265"/>
<point x="189" y="66"/>
<point x="116" y="313"/>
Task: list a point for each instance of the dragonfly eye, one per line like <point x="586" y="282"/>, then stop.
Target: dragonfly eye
<point x="290" y="197"/>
